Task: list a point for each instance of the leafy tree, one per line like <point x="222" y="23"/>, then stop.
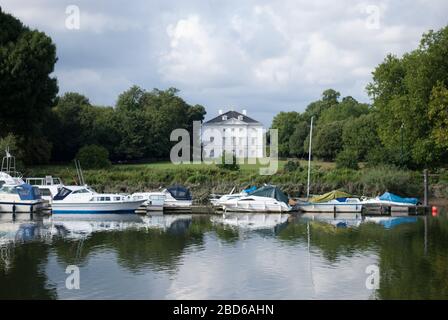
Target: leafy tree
<point x="360" y="135"/>
<point x="328" y="141"/>
<point x="401" y="90"/>
<point x="66" y="132"/>
<point x="347" y="109"/>
<point x="438" y="114"/>
<point x="27" y="91"/>
<point x="297" y="139"/>
<point x="285" y="123"/>
<point x="93" y="157"/>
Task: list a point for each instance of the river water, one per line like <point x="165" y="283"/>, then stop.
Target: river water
<point x="234" y="256"/>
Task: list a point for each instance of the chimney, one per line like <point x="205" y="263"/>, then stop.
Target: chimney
<point x="245" y="112"/>
<point x="220" y="111"/>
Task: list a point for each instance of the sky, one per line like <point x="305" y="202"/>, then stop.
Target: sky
<point x="263" y="56"/>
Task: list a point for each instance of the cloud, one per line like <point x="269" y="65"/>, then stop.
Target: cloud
<point x="256" y="55"/>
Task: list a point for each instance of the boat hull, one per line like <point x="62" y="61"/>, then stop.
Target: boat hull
<point x="21" y="207"/>
<point x="255" y="207"/>
<point x="325" y="207"/>
<point x="95" y="208"/>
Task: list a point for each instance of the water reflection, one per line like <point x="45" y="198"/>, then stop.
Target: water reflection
<point x="224" y="256"/>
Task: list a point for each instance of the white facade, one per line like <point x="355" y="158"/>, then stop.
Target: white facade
<point x="233" y="132"/>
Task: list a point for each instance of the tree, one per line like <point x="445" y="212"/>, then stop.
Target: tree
<point x="438" y="114"/>
<point x="67" y="132"/>
<point x="27" y="91"/>
<point x="297" y="139"/>
<point x="401" y="90"/>
<point x="328" y="141"/>
<point x="93" y="157"/>
<point x="285" y="123"/>
<point x="360" y="135"/>
<point x="347" y="109"/>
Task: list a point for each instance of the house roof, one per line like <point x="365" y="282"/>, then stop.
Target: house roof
<point x="231" y="115"/>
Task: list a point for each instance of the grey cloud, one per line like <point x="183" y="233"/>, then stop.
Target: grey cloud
<point x="263" y="56"/>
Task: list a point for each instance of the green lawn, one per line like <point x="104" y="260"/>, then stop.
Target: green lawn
<point x="166" y="165"/>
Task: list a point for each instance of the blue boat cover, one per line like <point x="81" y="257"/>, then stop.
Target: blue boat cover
<point x="387" y="196"/>
<point x="28" y="192"/>
<point x="251" y="189"/>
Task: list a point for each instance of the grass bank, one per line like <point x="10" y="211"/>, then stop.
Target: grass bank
<point x="206" y="179"/>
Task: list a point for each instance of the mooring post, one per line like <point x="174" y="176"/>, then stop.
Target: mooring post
<point x="425" y="181"/>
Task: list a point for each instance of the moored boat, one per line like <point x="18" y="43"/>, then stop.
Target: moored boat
<point x="153" y="201"/>
<point x="84" y="200"/>
<point x="266" y="199"/>
<point x="219" y="201"/>
<point x="177" y="198"/>
<point x="15" y="194"/>
<point x="334" y="201"/>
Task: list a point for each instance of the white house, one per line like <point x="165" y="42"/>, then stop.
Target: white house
<point x="233" y="132"/>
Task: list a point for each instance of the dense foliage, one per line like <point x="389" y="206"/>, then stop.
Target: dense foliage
<point x="27" y="91"/>
<point x="93" y="157"/>
<point x="406" y="125"/>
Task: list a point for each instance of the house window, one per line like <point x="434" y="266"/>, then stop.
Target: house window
<point x="223" y="141"/>
<point x="254" y="141"/>
<point x="241" y="129"/>
<point x="233" y="129"/>
<point x="212" y="139"/>
<point x="241" y="141"/>
<point x="224" y="118"/>
<point x="233" y="140"/>
<point x="212" y="153"/>
<point x="240" y="118"/>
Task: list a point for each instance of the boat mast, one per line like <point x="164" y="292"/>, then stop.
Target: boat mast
<point x="309" y="160"/>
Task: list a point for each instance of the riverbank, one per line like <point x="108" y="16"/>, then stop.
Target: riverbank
<point x="205" y="179"/>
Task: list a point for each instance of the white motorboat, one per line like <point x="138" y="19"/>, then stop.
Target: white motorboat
<point x="177" y="198"/>
<point x="266" y="199"/>
<point x="15" y="194"/>
<point x="154" y="201"/>
<point x="84" y="200"/>
<point x="390" y="199"/>
<point x="218" y="202"/>
<point x="334" y="201"/>
<point x="48" y="186"/>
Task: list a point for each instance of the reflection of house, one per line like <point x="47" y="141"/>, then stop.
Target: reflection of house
<point x="233" y="132"/>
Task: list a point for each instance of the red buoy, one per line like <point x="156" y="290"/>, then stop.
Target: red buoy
<point x="434" y="211"/>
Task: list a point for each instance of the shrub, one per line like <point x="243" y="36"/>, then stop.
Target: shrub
<point x="227" y="165"/>
<point x="292" y="166"/>
<point x="93" y="157"/>
<point x="347" y="159"/>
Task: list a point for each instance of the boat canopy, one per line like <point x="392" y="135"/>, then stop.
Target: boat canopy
<point x="179" y="192"/>
<point x="251" y="189"/>
<point x="387" y="196"/>
<point x="25" y="191"/>
<point x="335" y="194"/>
<point x="271" y="192"/>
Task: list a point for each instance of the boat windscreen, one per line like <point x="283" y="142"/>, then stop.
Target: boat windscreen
<point x="64" y="192"/>
<point x="180" y="193"/>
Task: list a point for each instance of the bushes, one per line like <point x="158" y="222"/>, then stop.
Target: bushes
<point x="347" y="159"/>
<point x="292" y="166"/>
<point x="226" y="164"/>
<point x="93" y="157"/>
